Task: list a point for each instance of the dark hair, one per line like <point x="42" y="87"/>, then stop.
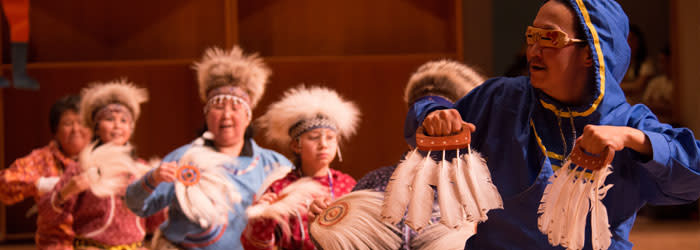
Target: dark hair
<point x="66" y="103"/>
<point x="579" y="32"/>
<point x="641" y="54"/>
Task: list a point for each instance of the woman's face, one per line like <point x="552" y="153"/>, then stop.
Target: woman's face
<point x="317" y="147"/>
<point x="115" y="127"/>
<point x="71" y="134"/>
<point x="228" y="121"/>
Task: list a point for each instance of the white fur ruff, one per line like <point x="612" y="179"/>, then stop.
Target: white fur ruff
<point x="440" y="237"/>
<point x="110" y="168"/>
<point x="220" y="67"/>
<point x="210" y="200"/>
<point x="360" y="228"/>
<point x="295" y="198"/>
<point x="99" y="94"/>
<point x="565" y="204"/>
<point x="302" y="103"/>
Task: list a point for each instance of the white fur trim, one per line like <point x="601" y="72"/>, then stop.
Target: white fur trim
<point x="446" y="78"/>
<point x="45" y="184"/>
<point x="99" y="94"/>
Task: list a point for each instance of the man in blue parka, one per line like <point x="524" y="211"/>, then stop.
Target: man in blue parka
<point x="526" y="127"/>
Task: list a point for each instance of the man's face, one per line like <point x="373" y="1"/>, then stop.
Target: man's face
<point x="557" y="71"/>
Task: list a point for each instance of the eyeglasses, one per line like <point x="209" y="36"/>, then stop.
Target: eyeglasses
<point x="549" y="38"/>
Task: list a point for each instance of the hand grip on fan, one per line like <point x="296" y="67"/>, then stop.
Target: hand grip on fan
<point x="591" y="161"/>
<point x="450" y="142"/>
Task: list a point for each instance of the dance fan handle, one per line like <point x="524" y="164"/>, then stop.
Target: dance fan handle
<point x="591" y="161"/>
<point x="450" y="142"/>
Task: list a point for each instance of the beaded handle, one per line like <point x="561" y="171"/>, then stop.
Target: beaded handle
<point x="450" y="142"/>
<point x="591" y="161"/>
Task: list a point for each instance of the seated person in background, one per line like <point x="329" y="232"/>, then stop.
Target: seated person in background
<point x="659" y="92"/>
<point x="641" y="69"/>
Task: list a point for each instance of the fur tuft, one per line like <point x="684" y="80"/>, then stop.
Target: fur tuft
<point x="439" y="236"/>
<point x="304" y="103"/>
<point x="353" y="222"/>
<point x="220" y="67"/>
<point x="294" y="199"/>
<point x="274" y="175"/>
<point x="110" y="168"/>
<point x="99" y="94"/>
<point x="446" y="78"/>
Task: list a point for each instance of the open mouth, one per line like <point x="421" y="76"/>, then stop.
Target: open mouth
<point x="537" y="67"/>
<point x="223" y="126"/>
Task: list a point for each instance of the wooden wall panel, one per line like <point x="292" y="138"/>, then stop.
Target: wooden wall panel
<point x="86" y="30"/>
<point x="170" y="118"/>
<point x="364" y="49"/>
<point x="375" y="84"/>
<point x="173" y="113"/>
<point x="358" y="27"/>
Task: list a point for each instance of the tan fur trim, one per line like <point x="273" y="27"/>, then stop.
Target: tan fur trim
<point x="302" y="103"/>
<point x="446" y="78"/>
<point x="220" y="67"/>
<point x="99" y="94"/>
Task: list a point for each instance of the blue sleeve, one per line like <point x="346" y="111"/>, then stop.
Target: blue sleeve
<point x="423" y="104"/>
<point x="675" y="162"/>
<point x="145" y="199"/>
<point x="422" y="107"/>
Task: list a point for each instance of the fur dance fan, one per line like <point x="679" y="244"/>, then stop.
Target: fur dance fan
<point x="353" y="222"/>
<point x="110" y="168"/>
<point x="203" y="188"/>
<point x="571" y="195"/>
<point x="465" y="179"/>
<point x="292" y="200"/>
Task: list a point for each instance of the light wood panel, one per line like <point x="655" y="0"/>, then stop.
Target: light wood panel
<point x="358" y="27"/>
<point x="86" y="30"/>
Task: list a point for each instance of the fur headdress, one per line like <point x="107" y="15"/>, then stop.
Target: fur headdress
<point x="446" y="78"/>
<point x="99" y="95"/>
<point x="219" y="68"/>
<point x="302" y="109"/>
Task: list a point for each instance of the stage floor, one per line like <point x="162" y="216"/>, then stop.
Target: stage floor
<point x="646" y="235"/>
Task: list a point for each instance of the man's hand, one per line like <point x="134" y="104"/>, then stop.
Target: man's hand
<point x="596" y="138"/>
<point x="444" y="122"/>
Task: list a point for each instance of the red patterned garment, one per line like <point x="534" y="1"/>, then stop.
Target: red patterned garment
<point x="260" y="234"/>
<point x="105" y="221"/>
<point x="18" y="181"/>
